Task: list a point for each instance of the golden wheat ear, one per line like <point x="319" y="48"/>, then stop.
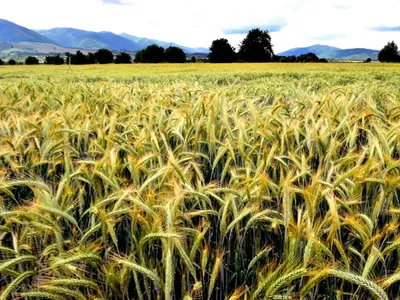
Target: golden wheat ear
<point x="242" y="181"/>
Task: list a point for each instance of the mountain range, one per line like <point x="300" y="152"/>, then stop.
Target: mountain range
<point x="323" y="51"/>
<point x="144" y="42"/>
<point x="16" y="40"/>
<point x="11" y="32"/>
<point x="82" y="39"/>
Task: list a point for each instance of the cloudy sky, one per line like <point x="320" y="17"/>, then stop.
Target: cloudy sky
<point x="292" y="23"/>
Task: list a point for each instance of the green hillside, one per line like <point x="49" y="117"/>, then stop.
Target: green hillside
<point x="329" y="52"/>
<point x="13" y="33"/>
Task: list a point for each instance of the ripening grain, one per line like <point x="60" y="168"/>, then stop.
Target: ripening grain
<point x="200" y="181"/>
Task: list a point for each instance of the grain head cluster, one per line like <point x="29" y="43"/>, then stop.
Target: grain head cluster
<point x="192" y="182"/>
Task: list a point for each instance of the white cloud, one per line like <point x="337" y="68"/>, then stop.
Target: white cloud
<point x="343" y="23"/>
<point x="120" y="2"/>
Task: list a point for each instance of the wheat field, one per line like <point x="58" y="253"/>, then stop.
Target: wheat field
<point x="199" y="181"/>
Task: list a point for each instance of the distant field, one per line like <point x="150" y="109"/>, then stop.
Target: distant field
<point x="355" y="71"/>
<point x="200" y="181"/>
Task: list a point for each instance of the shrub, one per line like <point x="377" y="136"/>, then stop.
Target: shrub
<point x="54" y="60"/>
<point x="31" y="60"/>
<point x="138" y="57"/>
<point x="78" y="58"/>
<point x="90" y="58"/>
<point x="123" y="58"/>
<point x="307" y="58"/>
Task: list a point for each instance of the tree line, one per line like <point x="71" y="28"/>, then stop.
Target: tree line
<point x="151" y="54"/>
<point x="255" y="47"/>
<point x="10" y="62"/>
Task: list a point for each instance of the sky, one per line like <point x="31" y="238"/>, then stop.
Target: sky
<point x="292" y="23"/>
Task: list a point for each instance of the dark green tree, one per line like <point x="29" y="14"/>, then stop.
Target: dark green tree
<point x="256" y="47"/>
<point x="78" y="59"/>
<point x="193" y="59"/>
<point x="1" y="62"/>
<point x="153" y="54"/>
<point x="11" y="62"/>
<point x="90" y="58"/>
<point x="368" y="60"/>
<point x="307" y="58"/>
<point x="31" y="60"/>
<point x="104" y="56"/>
<point x="123" y="58"/>
<point x="389" y="53"/>
<point x="58" y="60"/>
<point x="138" y="57"/>
<point x="285" y="59"/>
<point x="222" y="52"/>
<point x="175" y="55"/>
<point x="54" y="60"/>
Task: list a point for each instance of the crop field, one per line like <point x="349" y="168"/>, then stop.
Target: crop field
<point x="200" y="181"/>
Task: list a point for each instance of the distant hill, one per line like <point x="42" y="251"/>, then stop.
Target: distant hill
<point x="329" y="52"/>
<point x="358" y="54"/>
<point x="144" y="42"/>
<point x="76" y="38"/>
<point x="13" y="33"/>
<point x="82" y="39"/>
<point x="321" y="51"/>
